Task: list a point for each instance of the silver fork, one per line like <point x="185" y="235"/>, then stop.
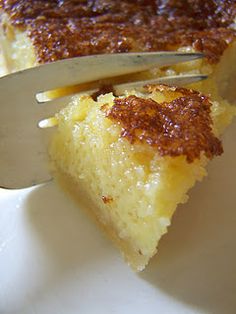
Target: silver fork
<point x="23" y="145"/>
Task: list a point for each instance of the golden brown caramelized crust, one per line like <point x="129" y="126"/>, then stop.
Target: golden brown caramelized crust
<point x="63" y="29"/>
<point x="179" y="127"/>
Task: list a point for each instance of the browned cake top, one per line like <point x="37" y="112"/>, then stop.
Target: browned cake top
<point x="179" y="127"/>
<point x="67" y="28"/>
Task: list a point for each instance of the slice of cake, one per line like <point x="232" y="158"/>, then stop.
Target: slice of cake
<point x="135" y="157"/>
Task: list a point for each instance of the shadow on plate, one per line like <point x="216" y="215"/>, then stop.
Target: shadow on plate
<point x="72" y="246"/>
<point x="196" y="261"/>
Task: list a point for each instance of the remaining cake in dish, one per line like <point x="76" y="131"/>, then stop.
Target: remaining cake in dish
<point x="64" y="29"/>
<point x="135" y="157"/>
<point x="34" y="32"/>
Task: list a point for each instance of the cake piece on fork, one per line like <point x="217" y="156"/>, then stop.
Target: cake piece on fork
<point x="135" y="157"/>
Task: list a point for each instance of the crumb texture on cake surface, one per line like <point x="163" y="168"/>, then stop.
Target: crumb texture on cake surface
<point x="64" y="29"/>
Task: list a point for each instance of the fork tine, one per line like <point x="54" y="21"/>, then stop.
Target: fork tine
<point x="51" y="107"/>
<point x="178" y="80"/>
<point x="86" y="69"/>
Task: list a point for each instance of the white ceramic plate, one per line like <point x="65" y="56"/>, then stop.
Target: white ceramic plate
<point x="54" y="260"/>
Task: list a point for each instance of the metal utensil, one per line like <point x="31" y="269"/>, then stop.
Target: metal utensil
<point x="23" y="145"/>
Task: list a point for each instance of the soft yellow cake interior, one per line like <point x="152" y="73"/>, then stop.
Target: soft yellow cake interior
<point x="132" y="190"/>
